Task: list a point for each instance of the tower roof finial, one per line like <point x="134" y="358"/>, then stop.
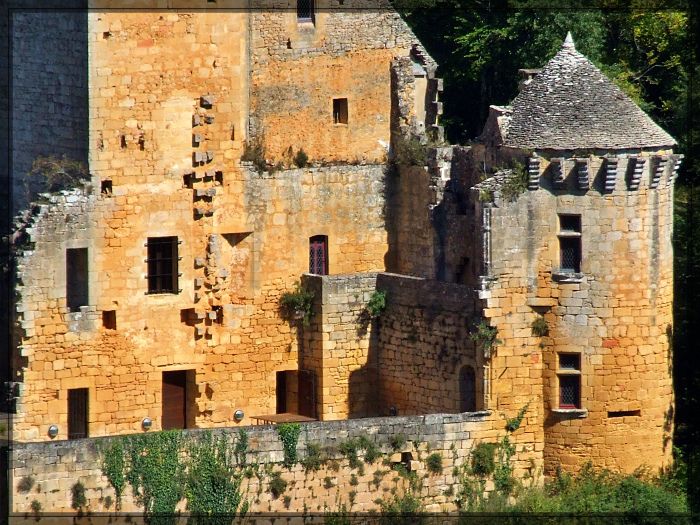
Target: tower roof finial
<point x="568" y="41"/>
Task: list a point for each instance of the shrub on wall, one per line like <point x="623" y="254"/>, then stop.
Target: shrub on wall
<point x="297" y="304"/>
<point x="377" y="303"/>
<point x="289" y="435"/>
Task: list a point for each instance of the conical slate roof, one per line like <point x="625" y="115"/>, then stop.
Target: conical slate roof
<point x="570" y="104"/>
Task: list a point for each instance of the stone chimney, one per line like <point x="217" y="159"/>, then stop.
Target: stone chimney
<point x="526" y="76"/>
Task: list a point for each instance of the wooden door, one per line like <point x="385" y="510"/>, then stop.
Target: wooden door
<point x="174" y="399"/>
<point x="307" y="393"/>
<point x="77" y="413"/>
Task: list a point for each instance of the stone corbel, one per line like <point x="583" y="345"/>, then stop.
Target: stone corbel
<point x="611" y="164"/>
<point x="533" y="173"/>
<point x="637" y="165"/>
<point x="658" y="169"/>
<point x="582" y="173"/>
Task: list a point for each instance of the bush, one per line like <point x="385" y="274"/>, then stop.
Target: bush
<point x="25" y="484"/>
<point x="297" y="304"/>
<point x="78" y="499"/>
<point x="277" y="485"/>
<point x="398" y="441"/>
<point x="53" y="174"/>
<point x="254" y="152"/>
<point x="377" y="303"/>
<point x="515" y="184"/>
<point x="301" y="159"/>
<point x="540" y="328"/>
<point x="408" y="151"/>
<point x="434" y="463"/>
<point x="483" y="462"/>
<point x="312" y="460"/>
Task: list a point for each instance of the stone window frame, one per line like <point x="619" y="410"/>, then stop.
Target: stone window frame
<point x="570" y="230"/>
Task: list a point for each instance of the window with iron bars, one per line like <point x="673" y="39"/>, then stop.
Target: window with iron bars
<point x="305" y="10"/>
<point x="570" y="243"/>
<point x="162" y="265"/>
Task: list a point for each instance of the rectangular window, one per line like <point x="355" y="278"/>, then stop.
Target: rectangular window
<point x="305" y="10"/>
<point x="340" y="110"/>
<point x="162" y="265"/>
<point x="569" y="375"/>
<point x="570" y="243"/>
<point x="318" y="255"/>
<point x="76" y="278"/>
<point x="78" y="413"/>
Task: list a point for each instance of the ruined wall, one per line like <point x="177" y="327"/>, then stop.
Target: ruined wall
<point x="298" y="68"/>
<point x="616" y="314"/>
<point x="422" y="343"/>
<point x="56" y="467"/>
<point x="340" y="346"/>
<point x="49" y="90"/>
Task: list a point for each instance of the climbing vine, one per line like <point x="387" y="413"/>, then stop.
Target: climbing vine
<point x="113" y="468"/>
<point x="289" y="435"/>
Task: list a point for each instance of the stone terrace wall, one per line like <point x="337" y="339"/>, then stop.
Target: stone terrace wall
<point x="55" y="467"/>
<point x="422" y="343"/>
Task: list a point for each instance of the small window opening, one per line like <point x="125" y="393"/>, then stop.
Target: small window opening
<point x="570" y="243"/>
<point x="219" y="177"/>
<point x="142" y="142"/>
<point x="305" y="10"/>
<point x="106" y="187"/>
<point x="123" y="142"/>
<point x="162" y="265"/>
<point x="76" y="278"/>
<point x="109" y="319"/>
<point x="624" y="413"/>
<point x="318" y="255"/>
<point x="340" y="110"/>
<point x="569" y="375"/>
<point x="78" y="411"/>
<point x="187" y="180"/>
<point x="106" y="35"/>
<point x="467" y="389"/>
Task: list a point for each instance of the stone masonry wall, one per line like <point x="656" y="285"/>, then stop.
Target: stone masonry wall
<point x="422" y="343"/>
<point x="56" y="467"/>
<point x="616" y="315"/>
<point x="49" y="102"/>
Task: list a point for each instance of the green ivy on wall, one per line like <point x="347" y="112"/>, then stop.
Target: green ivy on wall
<point x="289" y="435"/>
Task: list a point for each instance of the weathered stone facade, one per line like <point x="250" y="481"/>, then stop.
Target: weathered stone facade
<point x="547" y="286"/>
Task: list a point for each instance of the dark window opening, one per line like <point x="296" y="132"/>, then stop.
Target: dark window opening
<point x="162" y="265"/>
<point x="340" y="110"/>
<point x="106" y="187"/>
<point x="467" y="389"/>
<point x="623" y="413"/>
<point x="305" y="10"/>
<point x="318" y="255"/>
<point x="570" y="243"/>
<point x="307" y="393"/>
<point x="109" y="319"/>
<point x="281" y="390"/>
<point x="76" y="278"/>
<point x="569" y="381"/>
<point x="78" y="411"/>
<point x="123" y="142"/>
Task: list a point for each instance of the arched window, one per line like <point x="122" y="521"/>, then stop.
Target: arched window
<point x="318" y="255"/>
<point x="467" y="389"/>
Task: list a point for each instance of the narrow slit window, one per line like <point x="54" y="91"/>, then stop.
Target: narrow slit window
<point x="76" y="278"/>
<point x="570" y="243"/>
<point x="109" y="319"/>
<point x="162" y="265"/>
<point x="340" y="110"/>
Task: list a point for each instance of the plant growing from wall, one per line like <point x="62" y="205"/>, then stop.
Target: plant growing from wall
<point x="301" y="159"/>
<point x="482" y="459"/>
<point x="25" y="484"/>
<point x="212" y="484"/>
<point x="409" y="151"/>
<point x="312" y="460"/>
<point x="289" y="435"/>
<point x="35" y="506"/>
<point x="515" y="184"/>
<point x="277" y="485"/>
<point x="254" y="151"/>
<point x="53" y="174"/>
<point x="241" y="448"/>
<point x="514" y="423"/>
<point x="77" y="496"/>
<point x="434" y="463"/>
<point x="297" y="304"/>
<point x="377" y="303"/>
<point x="485" y="336"/>
<point x="539" y="326"/>
<point x="113" y="467"/>
<point x="398" y="441"/>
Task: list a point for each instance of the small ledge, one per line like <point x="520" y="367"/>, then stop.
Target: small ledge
<point x="567" y="277"/>
<point x="574" y="412"/>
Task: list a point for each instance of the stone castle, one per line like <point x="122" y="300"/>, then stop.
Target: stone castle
<point x="234" y="155"/>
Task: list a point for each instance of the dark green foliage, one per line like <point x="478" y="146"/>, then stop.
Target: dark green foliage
<point x="289" y="435"/>
<point x="398" y="441"/>
<point x="53" y="174"/>
<point x="483" y="460"/>
<point x="77" y="496"/>
<point x="514" y="423"/>
<point x="241" y="448"/>
<point x="25" y="484"/>
<point x="353" y="480"/>
<point x="409" y="151"/>
<point x="313" y="459"/>
<point x="36" y="507"/>
<point x="338" y="517"/>
<point x="277" y="485"/>
<point x="254" y="152"/>
<point x="212" y="485"/>
<point x="515" y="184"/>
<point x="301" y="159"/>
<point x="327" y="483"/>
<point x="113" y="467"/>
<point x="434" y="463"/>
<point x="377" y="303"/>
<point x="351" y="447"/>
<point x="485" y="335"/>
<point x="401" y="510"/>
<point x="297" y="304"/>
<point x="539" y="326"/>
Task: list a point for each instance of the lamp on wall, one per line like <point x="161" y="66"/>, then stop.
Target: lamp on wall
<point x="53" y="431"/>
<point x="146" y="423"/>
<point x="238" y="415"/>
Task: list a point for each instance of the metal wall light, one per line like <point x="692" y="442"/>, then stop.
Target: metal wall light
<point x="147" y="423"/>
<point x="53" y="431"/>
<point x="238" y="415"/>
